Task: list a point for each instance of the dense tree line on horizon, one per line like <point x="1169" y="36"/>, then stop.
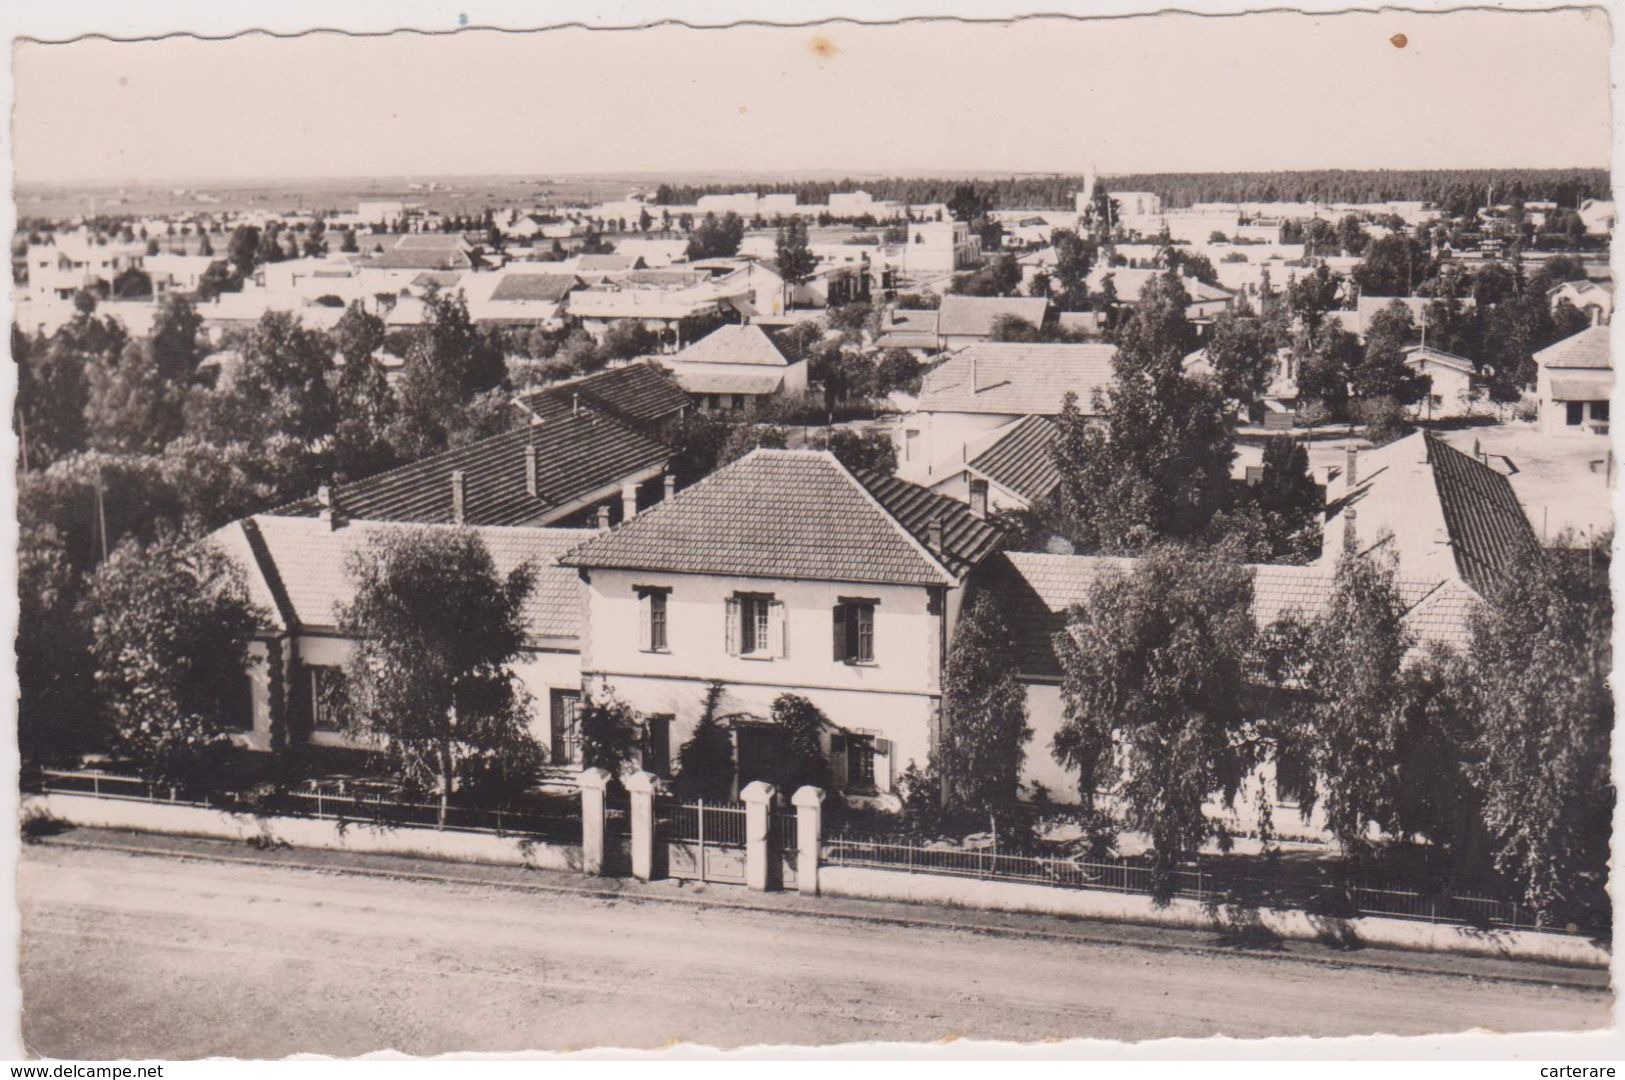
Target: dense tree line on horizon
<point x="1456" y="190"/>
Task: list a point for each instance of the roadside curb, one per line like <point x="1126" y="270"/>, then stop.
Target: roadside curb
<point x="641" y="895"/>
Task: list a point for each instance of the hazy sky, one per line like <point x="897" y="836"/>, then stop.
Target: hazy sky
<point x="1167" y="92"/>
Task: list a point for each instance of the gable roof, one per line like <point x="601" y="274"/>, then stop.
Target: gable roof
<point x="1037" y="590"/>
<point x="636" y="393"/>
<point x="609" y="261"/>
<point x="1417" y="355"/>
<point x="974" y="315"/>
<point x="420" y="259"/>
<point x="1489" y="531"/>
<point x="577" y="455"/>
<point x="1443" y="513"/>
<point x="297" y="567"/>
<point x="549" y="288"/>
<point x="1019" y="459"/>
<point x="736" y="344"/>
<point x="802" y="515"/>
<point x="1017" y="379"/>
<point x="1589" y="350"/>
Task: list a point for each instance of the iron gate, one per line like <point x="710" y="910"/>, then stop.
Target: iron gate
<point x="702" y="841"/>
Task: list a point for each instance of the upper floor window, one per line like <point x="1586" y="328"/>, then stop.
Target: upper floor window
<point x="855" y="631"/>
<point x="652" y="631"/>
<point x="755" y="626"/>
<point x="978" y="497"/>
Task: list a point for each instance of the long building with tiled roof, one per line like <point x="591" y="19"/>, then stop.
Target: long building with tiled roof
<point x="298" y="573"/>
<point x="537" y="474"/>
<point x="1037" y="590"/>
<point x="640" y="394"/>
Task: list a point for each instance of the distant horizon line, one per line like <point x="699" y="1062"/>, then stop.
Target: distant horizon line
<point x="769" y="176"/>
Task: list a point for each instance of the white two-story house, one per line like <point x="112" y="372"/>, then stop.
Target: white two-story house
<point x="784" y="572"/>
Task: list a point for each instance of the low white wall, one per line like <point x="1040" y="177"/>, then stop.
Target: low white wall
<point x="870" y="884"/>
<point x="305" y="832"/>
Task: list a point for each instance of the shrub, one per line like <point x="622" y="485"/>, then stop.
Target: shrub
<point x="705" y="763"/>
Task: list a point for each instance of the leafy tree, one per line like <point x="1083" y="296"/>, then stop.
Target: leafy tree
<point x="171" y="623"/>
<point x="1310" y="296"/>
<point x="436" y="630"/>
<point x="51" y="396"/>
<point x="1326" y="366"/>
<point x="1000" y="277"/>
<point x="1241" y="350"/>
<point x="984" y="712"/>
<point x="867" y="451"/>
<point x="1393" y="266"/>
<point x="1157" y="465"/>
<point x="628" y="339"/>
<point x="57" y="715"/>
<point x="347" y="243"/>
<point x="898" y="370"/>
<point x="716" y="238"/>
<point x="705" y="763"/>
<point x="1535" y="679"/>
<point x="1348" y="723"/>
<point x="242" y="250"/>
<point x="1567" y="320"/>
<point x="448" y="363"/>
<point x="1009" y="327"/>
<point x="610" y="730"/>
<point x="281" y="387"/>
<point x="1154" y="672"/>
<point x="801" y="760"/>
<point x="1382" y="372"/>
<point x="357" y="335"/>
<point x="795" y="258"/>
<point x="131" y="405"/>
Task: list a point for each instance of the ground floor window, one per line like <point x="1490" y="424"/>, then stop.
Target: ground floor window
<point x="860" y="762"/>
<point x="1576" y="413"/>
<point x="326" y="693"/>
<point x="657" y="744"/>
<point x="1599" y="410"/>
<point x="565" y="722"/>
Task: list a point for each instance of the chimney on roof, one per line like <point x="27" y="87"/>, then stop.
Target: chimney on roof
<point x="933" y="536"/>
<point x="575" y="404"/>
<point x="671" y="486"/>
<point x="1351" y="541"/>
<point x="530" y="470"/>
<point x="603" y="518"/>
<point x="973" y="372"/>
<point x="325" y="509"/>
<point x="1351" y="467"/>
<point x="457" y="497"/>
<point x="629" y="501"/>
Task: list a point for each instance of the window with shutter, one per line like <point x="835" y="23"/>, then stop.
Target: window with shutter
<point x="760" y="626"/>
<point x="652" y="635"/>
<point x="860" y="762"/>
<point x="777" y="637"/>
<point x="855" y="631"/>
<point x="883" y="761"/>
<point x="837" y="759"/>
<point x="731" y="632"/>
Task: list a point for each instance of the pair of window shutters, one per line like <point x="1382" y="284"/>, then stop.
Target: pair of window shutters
<point x="778" y="635"/>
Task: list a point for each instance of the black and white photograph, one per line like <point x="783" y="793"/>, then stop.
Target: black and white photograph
<point x="772" y="535"/>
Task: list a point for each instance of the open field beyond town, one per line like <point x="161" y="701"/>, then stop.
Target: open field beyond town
<point x="124" y="957"/>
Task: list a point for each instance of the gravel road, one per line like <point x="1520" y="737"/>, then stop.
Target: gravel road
<point x="126" y="956"/>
